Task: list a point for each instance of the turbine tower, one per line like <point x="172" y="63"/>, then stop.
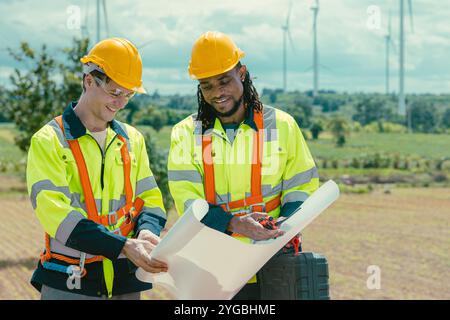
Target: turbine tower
<point x="286" y="34"/>
<point x="388" y="42"/>
<point x="102" y="3"/>
<point x="401" y="93"/>
<point x="84" y="28"/>
<point x="315" y="10"/>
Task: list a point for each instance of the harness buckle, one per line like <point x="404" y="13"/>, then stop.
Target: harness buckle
<point x="130" y="214"/>
<point x="261" y="204"/>
<point x="116" y="218"/>
<point x="241" y="212"/>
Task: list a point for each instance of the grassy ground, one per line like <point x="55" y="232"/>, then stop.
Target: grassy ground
<point x="162" y="137"/>
<point x="9" y="152"/>
<point x="405" y="233"/>
<point x="431" y="146"/>
<point x="406" y="146"/>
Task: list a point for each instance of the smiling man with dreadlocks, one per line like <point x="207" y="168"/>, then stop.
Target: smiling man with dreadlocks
<point x="249" y="161"/>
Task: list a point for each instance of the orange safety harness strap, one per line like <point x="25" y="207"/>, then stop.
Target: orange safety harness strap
<point x="85" y="182"/>
<point x="255" y="201"/>
<point x="208" y="167"/>
<point x="130" y="210"/>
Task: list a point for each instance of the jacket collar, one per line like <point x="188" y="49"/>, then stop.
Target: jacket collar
<point x="74" y="128"/>
<point x="248" y="120"/>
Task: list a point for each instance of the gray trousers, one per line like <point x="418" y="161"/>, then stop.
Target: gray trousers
<point x="48" y="293"/>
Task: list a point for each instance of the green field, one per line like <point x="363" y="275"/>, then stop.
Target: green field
<point x="416" y="147"/>
<point x="430" y="146"/>
<point x="162" y="137"/>
<point x="403" y="231"/>
<point x="9" y="151"/>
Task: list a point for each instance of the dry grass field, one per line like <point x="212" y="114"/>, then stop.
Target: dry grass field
<point x="405" y="233"/>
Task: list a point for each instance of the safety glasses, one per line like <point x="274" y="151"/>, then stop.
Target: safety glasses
<point x="114" y="93"/>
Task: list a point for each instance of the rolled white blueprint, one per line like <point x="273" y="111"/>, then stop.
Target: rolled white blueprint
<point x="207" y="264"/>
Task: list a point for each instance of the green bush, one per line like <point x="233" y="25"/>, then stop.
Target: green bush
<point x="158" y="165"/>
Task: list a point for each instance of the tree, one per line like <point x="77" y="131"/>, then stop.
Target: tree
<point x="370" y="110"/>
<point x="72" y="69"/>
<point x="156" y="95"/>
<point x="339" y="128"/>
<point x="182" y="102"/>
<point x="158" y="164"/>
<point x="316" y="129"/>
<point x="151" y="116"/>
<point x="132" y="107"/>
<point x="159" y="120"/>
<point x="423" y="116"/>
<point x="36" y="95"/>
<point x="446" y="119"/>
<point x="328" y="101"/>
<point x="301" y="111"/>
<point x="175" y="116"/>
<point x="3" y="115"/>
<point x="273" y="97"/>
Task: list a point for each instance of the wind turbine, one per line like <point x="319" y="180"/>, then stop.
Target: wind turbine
<point x="388" y="43"/>
<point x="84" y="29"/>
<point x="286" y="34"/>
<point x="401" y="93"/>
<point x="315" y="10"/>
<point x="102" y="3"/>
<point x="105" y="14"/>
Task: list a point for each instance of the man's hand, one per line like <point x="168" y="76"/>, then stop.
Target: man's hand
<point x="138" y="251"/>
<point x="249" y="226"/>
<point x="149" y="236"/>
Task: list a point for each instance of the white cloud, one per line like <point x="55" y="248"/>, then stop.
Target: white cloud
<point x="347" y="46"/>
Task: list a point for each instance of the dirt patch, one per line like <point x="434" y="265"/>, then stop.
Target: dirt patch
<point x="404" y="233"/>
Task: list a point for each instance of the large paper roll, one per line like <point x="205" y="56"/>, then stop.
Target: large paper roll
<point x="207" y="264"/>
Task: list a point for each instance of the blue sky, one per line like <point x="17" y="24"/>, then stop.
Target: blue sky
<point x="352" y="52"/>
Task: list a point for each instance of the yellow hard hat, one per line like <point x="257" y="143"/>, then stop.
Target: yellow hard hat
<point x="119" y="59"/>
<point x="212" y="54"/>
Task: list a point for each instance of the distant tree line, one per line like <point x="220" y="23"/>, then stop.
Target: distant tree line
<point x="44" y="89"/>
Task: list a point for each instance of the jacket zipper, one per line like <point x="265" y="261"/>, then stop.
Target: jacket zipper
<point x="103" y="158"/>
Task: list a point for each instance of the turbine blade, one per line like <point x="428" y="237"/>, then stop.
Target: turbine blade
<point x="411" y="15"/>
<point x="106" y="17"/>
<point x="289" y="14"/>
<point x="327" y="68"/>
<point x="393" y="46"/>
<point x="144" y="44"/>
<point x="389" y="24"/>
<point x="291" y="41"/>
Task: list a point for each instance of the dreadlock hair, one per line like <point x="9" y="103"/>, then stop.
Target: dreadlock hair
<point x="205" y="113"/>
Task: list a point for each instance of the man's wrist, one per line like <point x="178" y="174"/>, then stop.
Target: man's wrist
<point x="231" y="224"/>
<point x="125" y="247"/>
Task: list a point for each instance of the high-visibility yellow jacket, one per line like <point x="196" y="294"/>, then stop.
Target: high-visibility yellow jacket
<point x="288" y="168"/>
<point x="57" y="198"/>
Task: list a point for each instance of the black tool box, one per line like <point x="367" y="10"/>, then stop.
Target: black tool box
<point x="287" y="276"/>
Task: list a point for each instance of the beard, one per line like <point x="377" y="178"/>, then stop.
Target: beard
<point x="237" y="104"/>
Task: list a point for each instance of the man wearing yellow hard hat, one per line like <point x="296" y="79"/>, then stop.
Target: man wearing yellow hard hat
<point x="248" y="160"/>
<point x="92" y="189"/>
